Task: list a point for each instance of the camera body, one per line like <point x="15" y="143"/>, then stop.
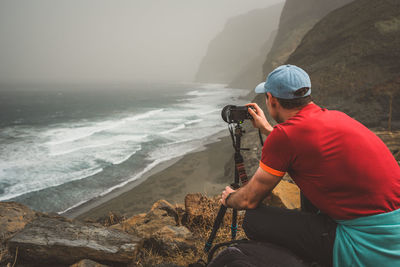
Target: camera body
<point x="235" y="114"/>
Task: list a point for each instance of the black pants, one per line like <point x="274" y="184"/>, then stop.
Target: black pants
<point x="311" y="236"/>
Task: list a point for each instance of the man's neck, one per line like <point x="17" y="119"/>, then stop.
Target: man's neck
<point x="288" y="113"/>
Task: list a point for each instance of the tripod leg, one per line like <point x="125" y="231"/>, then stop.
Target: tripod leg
<point x="234" y="224"/>
<point x="217" y="223"/>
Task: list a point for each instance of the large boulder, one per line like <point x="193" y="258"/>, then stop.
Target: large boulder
<point x="286" y="195"/>
<point x="58" y="240"/>
<point x="170" y="240"/>
<point x="160" y="229"/>
<point x="13" y="218"/>
<point x="146" y="224"/>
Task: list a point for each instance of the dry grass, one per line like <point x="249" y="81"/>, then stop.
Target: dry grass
<point x="7" y="258"/>
<point x="3" y="254"/>
<point x="111" y="219"/>
<point x="200" y="227"/>
<point x="16" y="256"/>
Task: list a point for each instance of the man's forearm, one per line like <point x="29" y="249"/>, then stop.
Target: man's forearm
<point x="234" y="202"/>
<point x="250" y="195"/>
<point x="238" y="200"/>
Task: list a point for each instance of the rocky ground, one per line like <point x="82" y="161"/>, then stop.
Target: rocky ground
<point x="167" y="235"/>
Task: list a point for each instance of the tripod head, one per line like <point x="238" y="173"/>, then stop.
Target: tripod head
<point x="236" y="131"/>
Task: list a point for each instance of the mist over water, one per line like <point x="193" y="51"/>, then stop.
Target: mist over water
<point x="110" y="41"/>
<point x="59" y="148"/>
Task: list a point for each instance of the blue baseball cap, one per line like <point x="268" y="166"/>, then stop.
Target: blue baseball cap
<point x="283" y="81"/>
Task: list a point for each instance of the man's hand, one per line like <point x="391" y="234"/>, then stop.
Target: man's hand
<point x="259" y="120"/>
<point x="225" y="194"/>
<point x="252" y="193"/>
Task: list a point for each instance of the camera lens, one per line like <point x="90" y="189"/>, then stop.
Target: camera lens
<point x="225" y="113"/>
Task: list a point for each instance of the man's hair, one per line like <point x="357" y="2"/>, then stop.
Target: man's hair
<point x="296" y="102"/>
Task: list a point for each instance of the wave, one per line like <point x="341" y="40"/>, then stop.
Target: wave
<point x="14" y="195"/>
<point x="123" y="159"/>
<point x="145" y="115"/>
<point x="181" y="126"/>
<point x="114" y="141"/>
<point x="193" y="122"/>
<point x="78" y="149"/>
<point x="72" y="207"/>
<point x="177" y="128"/>
<point x="83" y="132"/>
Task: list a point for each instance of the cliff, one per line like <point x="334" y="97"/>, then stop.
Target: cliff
<point x="239" y="44"/>
<point x="297" y="18"/>
<point x="353" y="58"/>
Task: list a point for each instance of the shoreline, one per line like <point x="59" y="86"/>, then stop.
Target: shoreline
<point x="85" y="207"/>
<point x="201" y="170"/>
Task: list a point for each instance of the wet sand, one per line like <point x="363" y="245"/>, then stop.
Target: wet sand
<point x="202" y="171"/>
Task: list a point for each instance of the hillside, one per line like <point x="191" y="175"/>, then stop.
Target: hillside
<point x="353" y="58"/>
<point x="297" y="18"/>
<point x="239" y="43"/>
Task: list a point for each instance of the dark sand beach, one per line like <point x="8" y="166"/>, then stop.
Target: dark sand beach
<point x="202" y="171"/>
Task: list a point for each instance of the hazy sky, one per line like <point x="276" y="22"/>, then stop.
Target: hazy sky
<point x="110" y="40"/>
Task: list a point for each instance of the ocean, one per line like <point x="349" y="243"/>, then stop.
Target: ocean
<point x="61" y="147"/>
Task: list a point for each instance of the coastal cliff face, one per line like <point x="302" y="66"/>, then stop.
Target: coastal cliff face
<point x="297" y="18"/>
<point x="353" y="58"/>
<point x="238" y="45"/>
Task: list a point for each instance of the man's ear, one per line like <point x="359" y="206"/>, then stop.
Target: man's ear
<point x="272" y="100"/>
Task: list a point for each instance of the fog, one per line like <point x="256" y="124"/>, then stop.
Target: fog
<point x="98" y="41"/>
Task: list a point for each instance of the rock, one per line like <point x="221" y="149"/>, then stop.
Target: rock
<point x="88" y="263"/>
<point x="288" y="194"/>
<point x="180" y="210"/>
<point x="168" y="207"/>
<point x="170" y="240"/>
<point x="160" y="230"/>
<point x="13" y="218"/>
<point x="59" y="240"/>
<point x="145" y="225"/>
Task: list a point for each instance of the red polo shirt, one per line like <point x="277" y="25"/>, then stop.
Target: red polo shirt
<point x="343" y="168"/>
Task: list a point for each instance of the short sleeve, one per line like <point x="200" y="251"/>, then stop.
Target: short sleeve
<point x="276" y="153"/>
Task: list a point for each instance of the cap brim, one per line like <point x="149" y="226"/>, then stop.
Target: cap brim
<point x="260" y="89"/>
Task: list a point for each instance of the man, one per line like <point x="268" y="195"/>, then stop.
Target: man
<point x="341" y="167"/>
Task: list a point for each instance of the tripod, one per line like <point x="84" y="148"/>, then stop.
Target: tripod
<point x="240" y="174"/>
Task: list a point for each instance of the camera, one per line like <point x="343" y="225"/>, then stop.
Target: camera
<point x="235" y="114"/>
